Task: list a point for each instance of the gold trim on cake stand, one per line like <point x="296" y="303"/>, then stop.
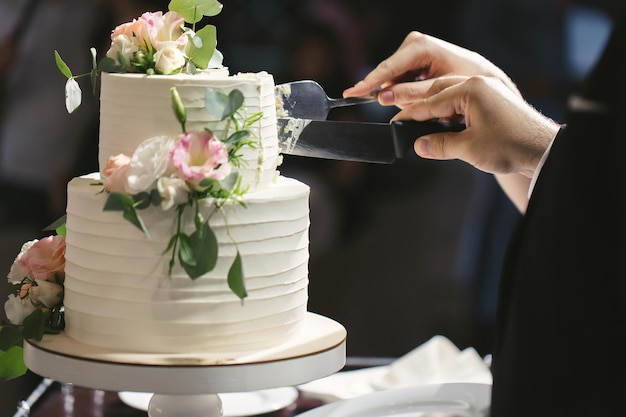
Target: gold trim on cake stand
<point x="192" y="379"/>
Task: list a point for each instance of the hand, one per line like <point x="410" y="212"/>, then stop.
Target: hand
<point x="504" y="134"/>
<point x="422" y="57"/>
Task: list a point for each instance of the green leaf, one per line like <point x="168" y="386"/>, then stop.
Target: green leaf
<point x="207" y="37"/>
<point x="155" y="197"/>
<point x="35" y="324"/>
<point x="193" y="10"/>
<point x="236" y="278"/>
<point x="238" y="136"/>
<point x="12" y="363"/>
<point x="126" y="204"/>
<point x="131" y="215"/>
<point x="118" y="202"/>
<point x="186" y="253"/>
<point x="222" y="105"/>
<point x="10" y="336"/>
<point x="73" y="95"/>
<point x="142" y="200"/>
<point x="58" y="225"/>
<point x="62" y="66"/>
<point x="198" y="252"/>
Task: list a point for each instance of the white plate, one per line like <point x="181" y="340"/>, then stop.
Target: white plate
<point x="457" y="399"/>
<point x="235" y="404"/>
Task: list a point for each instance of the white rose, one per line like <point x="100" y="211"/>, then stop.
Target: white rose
<point x="121" y="44"/>
<point x="17" y="309"/>
<point x="173" y="191"/>
<point x="148" y="163"/>
<point x="15" y="274"/>
<point x="46" y="293"/>
<point x="168" y="59"/>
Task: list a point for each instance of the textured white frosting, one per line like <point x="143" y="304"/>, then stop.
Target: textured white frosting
<point x="136" y="107"/>
<point x="118" y="293"/>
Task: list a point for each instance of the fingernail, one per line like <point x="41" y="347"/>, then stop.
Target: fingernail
<point x="422" y="147"/>
<point x="386" y="97"/>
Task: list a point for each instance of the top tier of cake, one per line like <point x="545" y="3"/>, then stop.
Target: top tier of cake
<point x="131" y="112"/>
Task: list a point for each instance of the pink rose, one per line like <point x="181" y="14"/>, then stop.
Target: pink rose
<point x="137" y="31"/>
<point x="115" y="173"/>
<point x="45" y="259"/>
<point x="199" y="155"/>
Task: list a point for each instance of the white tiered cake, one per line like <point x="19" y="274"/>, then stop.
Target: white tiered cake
<point x="118" y="292"/>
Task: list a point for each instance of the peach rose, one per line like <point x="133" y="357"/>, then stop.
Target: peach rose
<point x="45" y="259"/>
<point x="115" y="173"/>
<point x="137" y="31"/>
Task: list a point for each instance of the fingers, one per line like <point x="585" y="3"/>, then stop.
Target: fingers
<point x="405" y="94"/>
<point x="446" y="98"/>
<point x="404" y="65"/>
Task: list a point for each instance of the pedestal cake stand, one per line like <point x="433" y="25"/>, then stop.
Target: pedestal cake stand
<point x="188" y="384"/>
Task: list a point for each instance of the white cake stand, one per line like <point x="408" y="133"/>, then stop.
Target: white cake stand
<point x="188" y="384"/>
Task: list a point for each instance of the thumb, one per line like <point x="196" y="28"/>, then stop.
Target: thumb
<point x="441" y="146"/>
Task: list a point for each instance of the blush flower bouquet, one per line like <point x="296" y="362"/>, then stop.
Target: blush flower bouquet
<point x="35" y="302"/>
<point x="154" y="43"/>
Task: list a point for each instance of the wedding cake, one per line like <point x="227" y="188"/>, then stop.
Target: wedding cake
<point x="133" y="270"/>
<point x="118" y="292"/>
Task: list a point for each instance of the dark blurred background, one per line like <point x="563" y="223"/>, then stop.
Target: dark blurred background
<point x="399" y="253"/>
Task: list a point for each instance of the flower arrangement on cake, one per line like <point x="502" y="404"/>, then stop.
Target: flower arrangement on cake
<point x="154" y="43"/>
<point x="173" y="173"/>
<point x="176" y="173"/>
<point x="35" y="303"/>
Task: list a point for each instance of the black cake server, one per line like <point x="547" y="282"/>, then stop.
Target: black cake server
<point x="355" y="141"/>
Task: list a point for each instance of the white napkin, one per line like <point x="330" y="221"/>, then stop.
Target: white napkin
<point x="437" y="361"/>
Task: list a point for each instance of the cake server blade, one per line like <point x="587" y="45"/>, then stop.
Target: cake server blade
<point x="354" y="141"/>
<point x="307" y="99"/>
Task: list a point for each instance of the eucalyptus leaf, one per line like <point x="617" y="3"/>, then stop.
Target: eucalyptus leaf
<point x="236" y="280"/>
<point x="155" y="197"/>
<point x="62" y="66"/>
<point x="221" y="105"/>
<point x="230" y="181"/>
<point x="107" y="64"/>
<point x="12" y="363"/>
<point x="73" y="95"/>
<point x="207" y="38"/>
<point x="194" y="10"/>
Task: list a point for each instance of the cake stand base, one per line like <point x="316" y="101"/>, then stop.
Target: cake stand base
<point x="178" y="380"/>
<point x="207" y="405"/>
